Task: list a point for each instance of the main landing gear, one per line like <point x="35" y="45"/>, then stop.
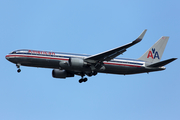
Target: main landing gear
<point x="89" y="74"/>
<point x="82" y="79"/>
<point x="18" y="66"/>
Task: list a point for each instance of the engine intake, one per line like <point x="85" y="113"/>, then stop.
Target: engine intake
<point x="56" y="73"/>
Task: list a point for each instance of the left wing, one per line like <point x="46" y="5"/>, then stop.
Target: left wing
<point x="108" y="55"/>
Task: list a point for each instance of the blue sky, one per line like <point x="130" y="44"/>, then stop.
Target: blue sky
<point x="88" y="27"/>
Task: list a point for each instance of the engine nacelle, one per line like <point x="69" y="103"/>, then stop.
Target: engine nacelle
<point x="77" y="63"/>
<point x="56" y="73"/>
<point x="64" y="64"/>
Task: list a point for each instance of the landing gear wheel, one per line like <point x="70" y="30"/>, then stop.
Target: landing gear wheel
<point x="19" y="70"/>
<point x="83" y="80"/>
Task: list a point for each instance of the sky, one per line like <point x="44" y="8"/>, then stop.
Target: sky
<point x="88" y="27"/>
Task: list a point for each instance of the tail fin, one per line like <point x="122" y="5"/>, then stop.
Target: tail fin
<point x="154" y="53"/>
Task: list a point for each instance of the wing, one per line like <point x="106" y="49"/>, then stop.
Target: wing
<point x="110" y="54"/>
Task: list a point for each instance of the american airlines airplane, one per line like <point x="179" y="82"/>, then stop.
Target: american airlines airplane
<point x="67" y="65"/>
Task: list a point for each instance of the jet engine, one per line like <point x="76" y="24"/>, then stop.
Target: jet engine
<point x="56" y="73"/>
<point x="77" y="63"/>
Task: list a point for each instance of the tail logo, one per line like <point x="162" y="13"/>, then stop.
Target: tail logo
<point x="153" y="54"/>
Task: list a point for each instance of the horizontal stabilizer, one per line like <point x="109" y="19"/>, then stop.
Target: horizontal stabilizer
<point x="162" y="63"/>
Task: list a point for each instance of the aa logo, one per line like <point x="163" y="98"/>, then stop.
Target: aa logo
<point x="153" y="54"/>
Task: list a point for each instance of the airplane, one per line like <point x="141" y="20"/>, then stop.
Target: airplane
<point x="66" y="65"/>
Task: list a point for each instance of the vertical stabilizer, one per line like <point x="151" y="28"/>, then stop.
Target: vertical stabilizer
<point x="154" y="53"/>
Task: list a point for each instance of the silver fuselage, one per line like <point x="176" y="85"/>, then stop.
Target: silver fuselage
<point x="47" y="59"/>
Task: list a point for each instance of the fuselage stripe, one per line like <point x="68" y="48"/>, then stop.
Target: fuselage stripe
<point x="66" y="59"/>
<point x="121" y="64"/>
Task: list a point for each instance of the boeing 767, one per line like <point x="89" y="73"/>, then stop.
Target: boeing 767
<point x="67" y="65"/>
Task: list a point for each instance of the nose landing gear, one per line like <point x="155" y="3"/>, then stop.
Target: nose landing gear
<point x="18" y="66"/>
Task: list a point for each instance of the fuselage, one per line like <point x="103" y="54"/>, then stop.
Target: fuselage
<point x="48" y="59"/>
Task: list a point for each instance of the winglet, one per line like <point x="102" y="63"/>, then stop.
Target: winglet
<point x="142" y="35"/>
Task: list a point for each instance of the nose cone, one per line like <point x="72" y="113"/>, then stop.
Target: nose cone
<point x="7" y="57"/>
<point x="11" y="58"/>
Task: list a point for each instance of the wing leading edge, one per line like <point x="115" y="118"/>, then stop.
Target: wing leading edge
<point x="110" y="54"/>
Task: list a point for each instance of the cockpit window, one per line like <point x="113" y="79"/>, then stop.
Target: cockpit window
<point x="13" y="52"/>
